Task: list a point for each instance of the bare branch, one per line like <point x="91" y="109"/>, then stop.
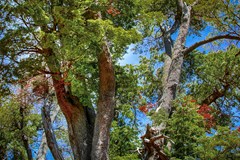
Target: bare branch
<point x="198" y="44"/>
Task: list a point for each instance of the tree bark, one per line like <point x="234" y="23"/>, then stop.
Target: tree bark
<point x="27" y="148"/>
<point x="80" y="120"/>
<point x="174" y="72"/>
<point x="215" y="95"/>
<point x="105" y="107"/>
<point x="42" y="151"/>
<point x="50" y="136"/>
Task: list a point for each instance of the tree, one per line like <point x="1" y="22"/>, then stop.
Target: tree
<point x="19" y="126"/>
<point x="78" y="46"/>
<point x="183" y="18"/>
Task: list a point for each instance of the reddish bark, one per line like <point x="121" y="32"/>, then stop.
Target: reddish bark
<point x="105" y="107"/>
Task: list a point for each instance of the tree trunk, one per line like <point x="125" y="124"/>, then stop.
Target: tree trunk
<point x="27" y="148"/>
<point x="171" y="76"/>
<point x="42" y="151"/>
<point x="105" y="107"/>
<point x="51" y="139"/>
<point x="80" y="118"/>
<point x="174" y="72"/>
<point x="106" y="102"/>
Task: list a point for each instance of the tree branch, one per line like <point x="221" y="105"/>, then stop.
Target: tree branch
<point x="215" y="95"/>
<point x="176" y="24"/>
<point x="198" y="44"/>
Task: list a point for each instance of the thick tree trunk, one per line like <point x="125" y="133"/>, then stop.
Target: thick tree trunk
<point x="51" y="139"/>
<point x="105" y="107"/>
<point x="80" y="120"/>
<point x="42" y="151"/>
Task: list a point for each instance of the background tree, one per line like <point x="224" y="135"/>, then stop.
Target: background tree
<point x="19" y="125"/>
<point x="167" y="24"/>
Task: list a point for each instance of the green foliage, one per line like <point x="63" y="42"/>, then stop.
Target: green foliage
<point x="214" y="70"/>
<point x="127" y="157"/>
<point x="215" y="74"/>
<point x="185" y="128"/>
<point x="29" y="30"/>
<point x="124" y="133"/>
<point x="128" y="11"/>
<point x="223" y="143"/>
<point x="124" y="140"/>
<point x="16" y="123"/>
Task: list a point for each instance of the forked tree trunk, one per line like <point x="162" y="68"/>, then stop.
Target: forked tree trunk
<point x="80" y="118"/>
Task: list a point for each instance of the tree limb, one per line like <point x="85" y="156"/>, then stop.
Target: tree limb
<point x="198" y="44"/>
<point x="215" y="95"/>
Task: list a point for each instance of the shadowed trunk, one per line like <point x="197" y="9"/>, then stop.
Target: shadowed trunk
<point x="2" y="152"/>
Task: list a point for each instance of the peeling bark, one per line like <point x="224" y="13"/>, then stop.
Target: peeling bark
<point x="153" y="144"/>
<point x="80" y="120"/>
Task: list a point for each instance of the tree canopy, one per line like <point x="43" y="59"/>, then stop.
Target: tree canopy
<point x="67" y="54"/>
